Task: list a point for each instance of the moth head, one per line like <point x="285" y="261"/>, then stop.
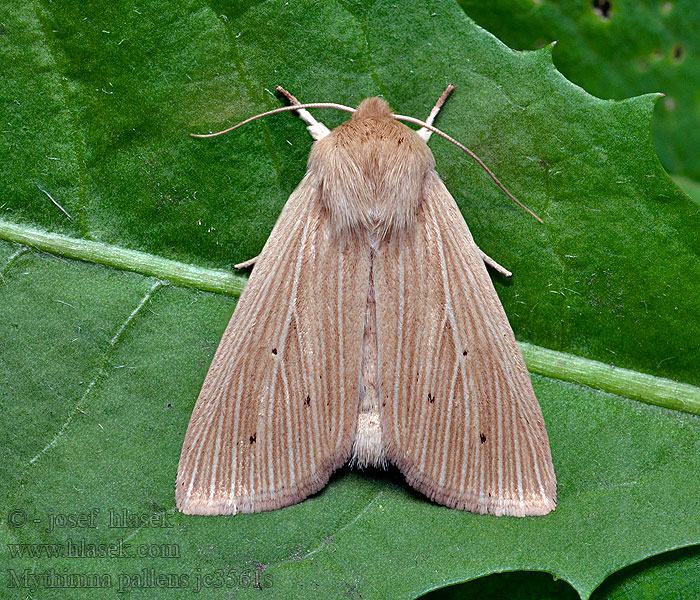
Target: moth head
<point x="372" y="108"/>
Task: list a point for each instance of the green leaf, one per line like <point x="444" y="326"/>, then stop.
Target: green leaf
<point x="690" y="187"/>
<point x="100" y="367"/>
<point x="616" y="49"/>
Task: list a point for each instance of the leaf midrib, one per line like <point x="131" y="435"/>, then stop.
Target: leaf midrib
<point x="542" y="361"/>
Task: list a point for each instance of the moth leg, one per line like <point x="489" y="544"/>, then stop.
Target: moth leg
<point x="248" y="263"/>
<point x="317" y="129"/>
<point x="426" y="133"/>
<point x="493" y="264"/>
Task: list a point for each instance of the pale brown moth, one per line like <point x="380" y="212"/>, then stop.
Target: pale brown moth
<point x="369" y="331"/>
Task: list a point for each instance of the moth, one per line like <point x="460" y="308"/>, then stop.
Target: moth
<point x="369" y="331"/>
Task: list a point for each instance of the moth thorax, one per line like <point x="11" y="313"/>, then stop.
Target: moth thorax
<point x="372" y="173"/>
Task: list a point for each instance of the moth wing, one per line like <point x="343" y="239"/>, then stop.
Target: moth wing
<point x="277" y="411"/>
<point x="459" y="416"/>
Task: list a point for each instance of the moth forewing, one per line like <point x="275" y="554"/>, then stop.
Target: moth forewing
<point x="460" y="417"/>
<point x="276" y="416"/>
<point x="369" y="330"/>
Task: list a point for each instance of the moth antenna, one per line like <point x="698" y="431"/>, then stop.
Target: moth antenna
<point x="426" y="133"/>
<point x="275" y="111"/>
<point x="288" y="95"/>
<point x="297" y="107"/>
<point x="470" y="153"/>
<point x="317" y="129"/>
